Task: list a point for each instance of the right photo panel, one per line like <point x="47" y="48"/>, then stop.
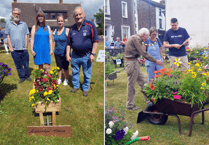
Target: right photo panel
<point x="156" y="72"/>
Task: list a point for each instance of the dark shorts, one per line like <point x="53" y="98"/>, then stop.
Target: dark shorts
<point x="61" y="62"/>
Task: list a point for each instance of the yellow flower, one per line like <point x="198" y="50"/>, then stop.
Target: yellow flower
<point x="32" y="105"/>
<point x="51" y="72"/>
<point x="203" y="84"/>
<point x="202" y="88"/>
<point x="48" y="99"/>
<point x="29" y="100"/>
<point x="188" y="63"/>
<point x="197" y="64"/>
<point x="58" y="68"/>
<point x="194" y="75"/>
<point x="204" y="74"/>
<point x="45" y="93"/>
<point x="41" y="69"/>
<point x="199" y="69"/>
<point x="32" y="92"/>
<point x="32" y="97"/>
<point x="189" y="70"/>
<point x="192" y="67"/>
<point x="50" y="92"/>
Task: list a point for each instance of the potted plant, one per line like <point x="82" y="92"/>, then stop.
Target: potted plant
<point x="45" y="93"/>
<point x="4" y="71"/>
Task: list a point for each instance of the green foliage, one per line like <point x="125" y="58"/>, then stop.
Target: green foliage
<point x="3" y="20"/>
<point x="120" y="56"/>
<point x="100" y="21"/>
<point x="109" y="66"/>
<point x="11" y="18"/>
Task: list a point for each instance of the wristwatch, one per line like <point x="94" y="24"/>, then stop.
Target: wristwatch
<point x="94" y="54"/>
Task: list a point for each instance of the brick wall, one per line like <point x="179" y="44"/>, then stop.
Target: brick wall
<point x="143" y="14"/>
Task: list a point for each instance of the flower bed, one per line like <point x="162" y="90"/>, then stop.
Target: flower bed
<point x="190" y="86"/>
<point x="46" y="88"/>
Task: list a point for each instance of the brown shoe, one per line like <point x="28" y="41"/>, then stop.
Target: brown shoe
<point x="74" y="90"/>
<point x="85" y="93"/>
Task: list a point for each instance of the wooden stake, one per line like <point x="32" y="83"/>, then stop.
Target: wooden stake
<point x="98" y="74"/>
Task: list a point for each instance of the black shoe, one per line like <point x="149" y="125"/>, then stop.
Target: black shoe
<point x="21" y="80"/>
<point x="29" y="79"/>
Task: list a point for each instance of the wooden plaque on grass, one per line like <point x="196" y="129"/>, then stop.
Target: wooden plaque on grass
<point x="62" y="131"/>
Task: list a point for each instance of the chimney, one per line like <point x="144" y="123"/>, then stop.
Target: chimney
<point x="61" y="1"/>
<point x="15" y="1"/>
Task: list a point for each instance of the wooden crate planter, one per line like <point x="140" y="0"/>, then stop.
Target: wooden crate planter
<point x="51" y="107"/>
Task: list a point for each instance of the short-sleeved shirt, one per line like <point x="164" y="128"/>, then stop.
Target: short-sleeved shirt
<point x="117" y="44"/>
<point x="17" y="34"/>
<point x="81" y="41"/>
<point x="107" y="44"/>
<point x="176" y="37"/>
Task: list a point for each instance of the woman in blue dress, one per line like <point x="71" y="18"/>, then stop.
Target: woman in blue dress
<point x="60" y="39"/>
<point x="41" y="42"/>
<point x="153" y="48"/>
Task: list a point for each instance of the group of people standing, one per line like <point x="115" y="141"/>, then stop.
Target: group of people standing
<point x="146" y="44"/>
<point x="117" y="44"/>
<point x="82" y="37"/>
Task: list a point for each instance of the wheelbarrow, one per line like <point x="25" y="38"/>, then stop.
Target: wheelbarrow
<point x="158" y="113"/>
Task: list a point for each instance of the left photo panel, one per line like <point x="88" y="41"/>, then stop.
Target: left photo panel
<point x="52" y="72"/>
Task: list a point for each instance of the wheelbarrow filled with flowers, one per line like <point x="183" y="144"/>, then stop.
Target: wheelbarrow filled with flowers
<point x="176" y="93"/>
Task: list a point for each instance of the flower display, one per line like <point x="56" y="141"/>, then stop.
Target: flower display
<point x="117" y="130"/>
<point x="46" y="88"/>
<point x="4" y="71"/>
<point x="135" y="135"/>
<point x="189" y="86"/>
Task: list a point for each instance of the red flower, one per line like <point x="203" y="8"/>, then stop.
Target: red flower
<point x="156" y="72"/>
<point x="40" y="89"/>
<point x="156" y="76"/>
<point x="152" y="87"/>
<point x="153" y="99"/>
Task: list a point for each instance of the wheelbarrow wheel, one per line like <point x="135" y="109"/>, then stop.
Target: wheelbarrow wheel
<point x="155" y="118"/>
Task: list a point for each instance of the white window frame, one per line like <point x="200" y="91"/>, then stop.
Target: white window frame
<point x="124" y="26"/>
<point x="108" y="7"/>
<point x="126" y="9"/>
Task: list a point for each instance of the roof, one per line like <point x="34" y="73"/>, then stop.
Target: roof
<point x="29" y="10"/>
<point x="156" y="4"/>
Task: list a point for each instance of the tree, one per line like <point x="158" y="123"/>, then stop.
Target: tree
<point x="3" y="20"/>
<point x="100" y="21"/>
<point x="11" y="18"/>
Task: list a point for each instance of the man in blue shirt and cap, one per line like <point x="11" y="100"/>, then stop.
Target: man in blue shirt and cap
<point x="83" y="39"/>
<point x="17" y="37"/>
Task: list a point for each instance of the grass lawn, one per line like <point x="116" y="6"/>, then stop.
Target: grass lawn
<point x="84" y="114"/>
<point x="160" y="135"/>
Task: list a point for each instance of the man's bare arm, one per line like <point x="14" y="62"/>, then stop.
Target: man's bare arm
<point x="10" y="43"/>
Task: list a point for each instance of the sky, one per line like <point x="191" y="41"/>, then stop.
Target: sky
<point x="90" y="7"/>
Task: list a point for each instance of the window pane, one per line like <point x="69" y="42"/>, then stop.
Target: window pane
<point x="53" y="15"/>
<point x="105" y="6"/>
<point x="46" y="15"/>
<point x="124" y="9"/>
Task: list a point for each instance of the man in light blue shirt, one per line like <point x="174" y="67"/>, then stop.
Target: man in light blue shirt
<point x="17" y="37"/>
<point x="117" y="43"/>
<point x="107" y="44"/>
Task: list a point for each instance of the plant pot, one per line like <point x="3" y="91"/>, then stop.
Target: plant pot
<point x="51" y="107"/>
<point x="175" y="107"/>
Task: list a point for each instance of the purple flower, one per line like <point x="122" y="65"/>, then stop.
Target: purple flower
<point x="0" y="76"/>
<point x="1" y="63"/>
<point x="6" y="65"/>
<point x="9" y="69"/>
<point x="119" y="134"/>
<point x="9" y="74"/>
<point x="4" y="71"/>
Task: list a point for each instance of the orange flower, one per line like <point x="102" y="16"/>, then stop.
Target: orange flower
<point x="170" y="70"/>
<point x="152" y="87"/>
<point x="156" y="72"/>
<point x="164" y="69"/>
<point x="156" y="76"/>
<point x="153" y="99"/>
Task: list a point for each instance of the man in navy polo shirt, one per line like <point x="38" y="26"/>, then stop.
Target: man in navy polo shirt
<point x="17" y="37"/>
<point x="176" y="39"/>
<point x="83" y="39"/>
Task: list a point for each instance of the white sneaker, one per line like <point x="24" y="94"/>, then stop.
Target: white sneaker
<point x="65" y="83"/>
<point x="7" y="53"/>
<point x="59" y="81"/>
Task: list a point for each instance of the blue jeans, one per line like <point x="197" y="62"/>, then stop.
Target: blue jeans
<point x="151" y="67"/>
<point x="21" y="58"/>
<point x="76" y="62"/>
